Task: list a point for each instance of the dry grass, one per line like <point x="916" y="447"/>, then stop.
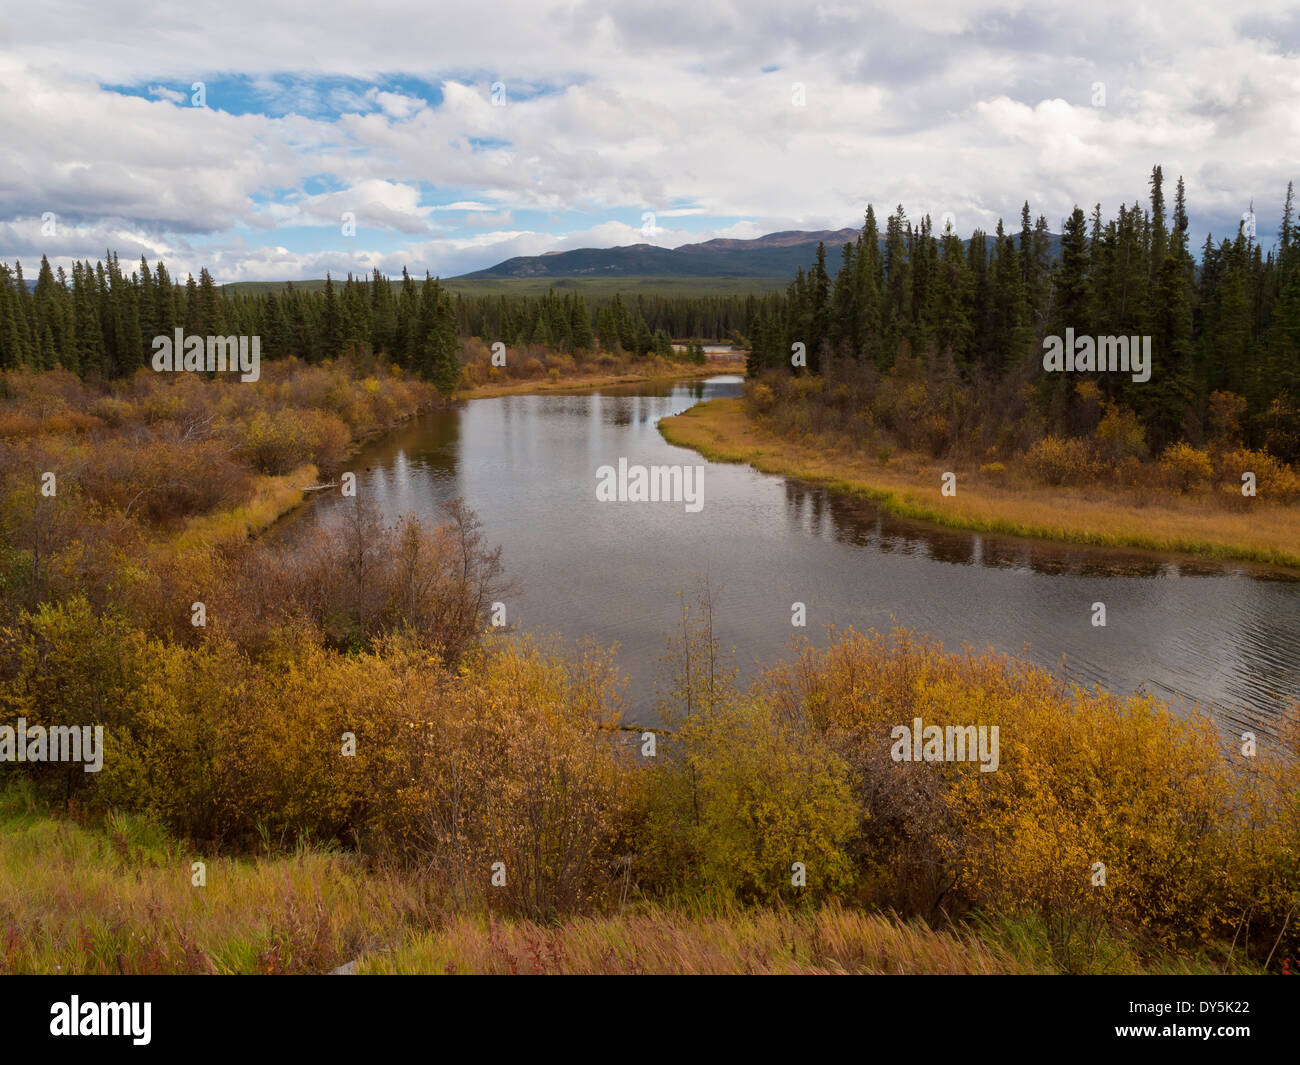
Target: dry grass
<point x="910" y="487"/>
<point x="76" y="899"/>
<point x="271" y="499"/>
<point x="581" y="382"/>
<point x="120" y="900"/>
<point x="664" y="941"/>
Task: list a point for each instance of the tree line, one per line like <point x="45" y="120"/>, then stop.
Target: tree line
<point x="101" y="321"/>
<point x="1229" y="324"/>
<point x="631" y="320"/>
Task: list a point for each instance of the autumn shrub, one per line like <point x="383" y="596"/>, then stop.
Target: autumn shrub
<point x="1120" y="435"/>
<point x="509" y="759"/>
<point x="17" y="423"/>
<point x="752" y="808"/>
<point x="314" y="387"/>
<point x="1190" y="835"/>
<point x="936" y="430"/>
<point x="66" y="665"/>
<point x="1135" y="475"/>
<point x="1275" y="481"/>
<point x="1185" y="468"/>
<point x="747" y="804"/>
<point x="1059" y="462"/>
<point x="274" y="443"/>
<point x="525" y="769"/>
<point x="330" y="440"/>
<point x="55" y="532"/>
<point x="1105" y="815"/>
<point x="159" y="479"/>
<point x="805" y="385"/>
<point x="508" y="762"/>
<point x="358" y="578"/>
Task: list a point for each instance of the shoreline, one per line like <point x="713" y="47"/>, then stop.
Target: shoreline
<point x="578" y="383"/>
<point x="721" y="431"/>
<point x="574" y="385"/>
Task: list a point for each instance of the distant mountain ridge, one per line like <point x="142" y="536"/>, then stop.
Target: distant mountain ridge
<point x="776" y="255"/>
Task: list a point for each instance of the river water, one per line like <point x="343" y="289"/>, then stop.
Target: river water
<point x="1223" y="635"/>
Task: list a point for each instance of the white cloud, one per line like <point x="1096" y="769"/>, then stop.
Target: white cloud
<point x="622" y="108"/>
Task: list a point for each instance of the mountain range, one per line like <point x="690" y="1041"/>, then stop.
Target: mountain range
<point x="776" y="255"/>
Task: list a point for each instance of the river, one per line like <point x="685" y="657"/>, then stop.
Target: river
<point x="1226" y="636"/>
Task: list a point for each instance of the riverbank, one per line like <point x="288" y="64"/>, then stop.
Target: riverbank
<point x="909" y="485"/>
<point x="578" y="383"/>
<point x="275" y="498"/>
<point x="272" y="498"/>
<point x="130" y="908"/>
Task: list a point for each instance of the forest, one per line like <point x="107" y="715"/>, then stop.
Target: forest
<point x="1225" y="330"/>
<point x="101" y="321"/>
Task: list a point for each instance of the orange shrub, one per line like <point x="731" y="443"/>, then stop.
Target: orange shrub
<point x="1274" y="480"/>
<point x="1058" y="461"/>
<point x="1185" y="467"/>
<point x="16" y="423"/>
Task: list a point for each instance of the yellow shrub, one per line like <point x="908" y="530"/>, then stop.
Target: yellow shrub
<point x="1274" y="480"/>
<point x="762" y="397"/>
<point x="754" y="796"/>
<point x="1121" y="435"/>
<point x="1058" y="461"/>
<point x="275" y="443"/>
<point x="1185" y="467"/>
<point x="1191" y="835"/>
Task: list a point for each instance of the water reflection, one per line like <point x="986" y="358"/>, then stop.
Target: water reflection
<point x="1221" y="634"/>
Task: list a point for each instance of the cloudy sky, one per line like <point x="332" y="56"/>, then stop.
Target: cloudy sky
<point x="458" y="135"/>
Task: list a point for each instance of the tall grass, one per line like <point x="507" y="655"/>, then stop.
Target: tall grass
<point x="117" y="897"/>
<point x="120" y="899"/>
<point x="693" y="941"/>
